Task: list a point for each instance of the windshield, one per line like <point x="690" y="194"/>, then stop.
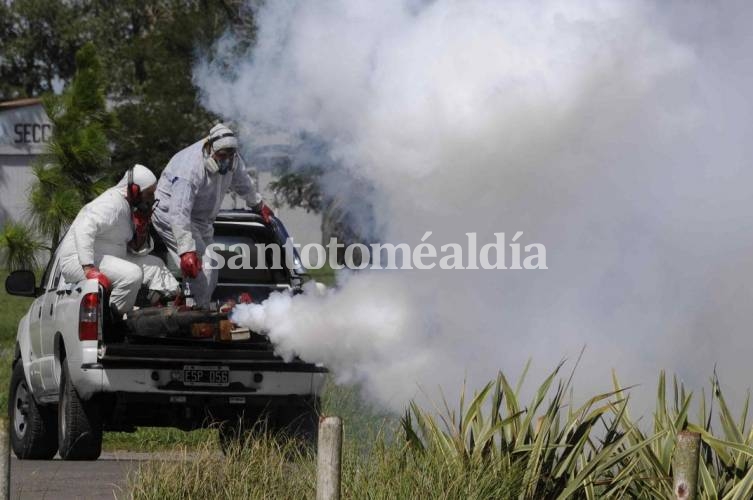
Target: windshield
<point x="242" y="261"/>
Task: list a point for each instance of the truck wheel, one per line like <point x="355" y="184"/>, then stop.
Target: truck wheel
<point x="33" y="430"/>
<point x="79" y="423"/>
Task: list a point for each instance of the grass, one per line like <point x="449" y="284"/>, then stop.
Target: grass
<point x="12" y="310"/>
<point x="266" y="468"/>
<point x="150" y="439"/>
<point x="364" y="419"/>
<point x="492" y="445"/>
<point x="269" y="467"/>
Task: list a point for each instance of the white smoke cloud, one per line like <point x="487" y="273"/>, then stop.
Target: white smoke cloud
<point x="615" y="133"/>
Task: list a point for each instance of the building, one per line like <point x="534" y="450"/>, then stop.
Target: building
<point x="25" y="129"/>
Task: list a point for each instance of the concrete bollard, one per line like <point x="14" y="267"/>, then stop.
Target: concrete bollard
<point x="4" y="459"/>
<point x="685" y="466"/>
<point x="329" y="458"/>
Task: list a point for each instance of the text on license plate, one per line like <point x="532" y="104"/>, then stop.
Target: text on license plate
<point x="206" y="376"/>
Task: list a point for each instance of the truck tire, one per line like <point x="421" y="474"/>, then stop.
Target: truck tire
<point x="33" y="428"/>
<point x="79" y="423"/>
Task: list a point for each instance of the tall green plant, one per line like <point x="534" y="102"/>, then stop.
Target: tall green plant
<point x="76" y="165"/>
<point x="726" y="465"/>
<point x="593" y="451"/>
<point x="18" y="247"/>
<point x="558" y="447"/>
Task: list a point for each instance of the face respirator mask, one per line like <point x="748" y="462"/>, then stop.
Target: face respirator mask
<point x="221" y="165"/>
<point x="226" y="164"/>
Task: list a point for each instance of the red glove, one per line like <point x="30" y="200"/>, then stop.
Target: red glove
<point x="190" y="265"/>
<point x="92" y="273"/>
<point x="265" y="212"/>
<point x="140" y="229"/>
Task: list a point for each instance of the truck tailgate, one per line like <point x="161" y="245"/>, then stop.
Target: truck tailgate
<point x="175" y="356"/>
<point x="164" y="356"/>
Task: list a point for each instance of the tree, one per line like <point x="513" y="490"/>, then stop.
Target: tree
<point x="158" y="108"/>
<point x="39" y="42"/>
<point x="298" y="187"/>
<point x="19" y="247"/>
<point x="346" y="213"/>
<point x="148" y="49"/>
<point x="77" y="164"/>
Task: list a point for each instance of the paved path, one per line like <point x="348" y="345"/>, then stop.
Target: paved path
<point x="63" y="480"/>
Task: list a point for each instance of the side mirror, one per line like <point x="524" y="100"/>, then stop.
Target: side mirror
<point x="21" y="283"/>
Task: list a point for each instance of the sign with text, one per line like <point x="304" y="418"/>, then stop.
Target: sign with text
<point x="24" y="130"/>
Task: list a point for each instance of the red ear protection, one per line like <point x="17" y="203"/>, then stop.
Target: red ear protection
<point x="133" y="190"/>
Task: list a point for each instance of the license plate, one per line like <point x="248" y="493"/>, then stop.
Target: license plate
<point x="206" y="376"/>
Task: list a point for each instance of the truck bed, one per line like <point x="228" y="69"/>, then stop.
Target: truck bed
<point x="168" y="337"/>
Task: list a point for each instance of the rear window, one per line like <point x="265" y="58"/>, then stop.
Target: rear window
<point x="240" y="268"/>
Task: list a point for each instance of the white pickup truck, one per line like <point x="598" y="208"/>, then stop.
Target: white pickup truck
<point x="76" y="374"/>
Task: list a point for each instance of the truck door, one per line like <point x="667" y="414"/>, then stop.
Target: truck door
<point x="39" y="312"/>
<point x="47" y="328"/>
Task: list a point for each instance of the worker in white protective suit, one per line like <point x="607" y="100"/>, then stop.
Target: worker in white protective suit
<point x="190" y="193"/>
<point x="109" y="241"/>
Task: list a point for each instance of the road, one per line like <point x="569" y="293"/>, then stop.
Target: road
<point x="63" y="480"/>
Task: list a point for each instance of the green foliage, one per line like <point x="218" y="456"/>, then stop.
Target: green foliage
<point x="11" y="310"/>
<point x="726" y="464"/>
<point x="155" y="439"/>
<point x="298" y="187"/>
<point x="570" y="455"/>
<point x="325" y="275"/>
<point x="147" y="50"/>
<point x="561" y="454"/>
<point x="727" y="467"/>
<point x="493" y="446"/>
<point x="392" y="470"/>
<point x="158" y="108"/>
<point x="19" y="247"/>
<point x="53" y="200"/>
<point x="265" y="468"/>
<point x="79" y="146"/>
<point x="39" y="42"/>
<point x="75" y="167"/>
<point x="273" y="467"/>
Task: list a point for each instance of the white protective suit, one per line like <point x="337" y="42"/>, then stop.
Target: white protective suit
<point x="99" y="236"/>
<point x="189" y="198"/>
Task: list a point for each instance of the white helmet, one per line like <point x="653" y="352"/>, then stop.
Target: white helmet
<point x="220" y="137"/>
<point x="142" y="176"/>
<point x="138" y="175"/>
<point x="136" y="180"/>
